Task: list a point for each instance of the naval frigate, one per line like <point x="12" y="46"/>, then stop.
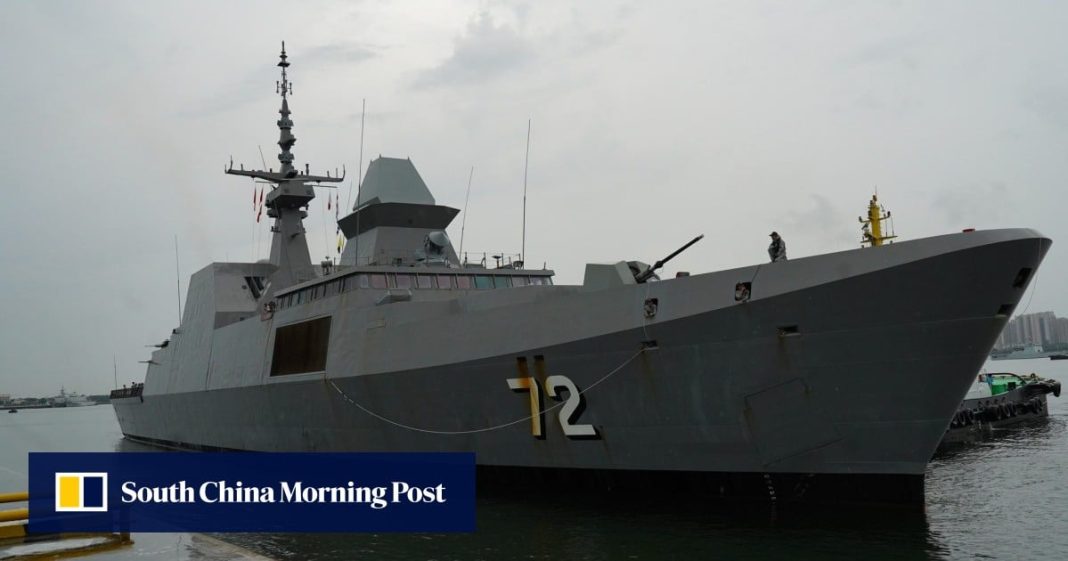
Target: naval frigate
<point x="830" y="377"/>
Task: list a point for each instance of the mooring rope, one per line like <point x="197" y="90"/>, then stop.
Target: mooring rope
<point x="485" y="429"/>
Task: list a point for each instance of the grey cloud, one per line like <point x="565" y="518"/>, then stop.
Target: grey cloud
<point x="234" y="95"/>
<point x="816" y="219"/>
<point x="346" y="53"/>
<point x="484" y="51"/>
<point x="1050" y="105"/>
<point x="900" y="50"/>
<point x="974" y="203"/>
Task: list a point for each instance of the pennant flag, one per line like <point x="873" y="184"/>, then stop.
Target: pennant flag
<point x="329" y="200"/>
<point x="261" y="195"/>
<point x="340" y="242"/>
<point x="253" y="198"/>
<point x="258" y="215"/>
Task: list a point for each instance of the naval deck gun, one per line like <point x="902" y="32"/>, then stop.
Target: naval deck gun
<point x="648" y="273"/>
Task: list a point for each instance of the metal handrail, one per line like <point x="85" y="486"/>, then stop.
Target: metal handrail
<point x="18" y="497"/>
<point x="14" y="515"/>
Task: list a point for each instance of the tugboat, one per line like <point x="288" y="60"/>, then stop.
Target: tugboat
<point x="999" y="400"/>
<point x="768" y="381"/>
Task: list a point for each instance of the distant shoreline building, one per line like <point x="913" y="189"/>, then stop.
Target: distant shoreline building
<point x="1042" y="328"/>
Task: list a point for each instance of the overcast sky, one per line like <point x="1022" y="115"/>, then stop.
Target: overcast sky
<point x="652" y="122"/>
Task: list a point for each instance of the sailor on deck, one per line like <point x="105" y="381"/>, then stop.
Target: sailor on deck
<point x="777" y="249"/>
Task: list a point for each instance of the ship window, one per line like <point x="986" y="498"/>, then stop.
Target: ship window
<point x="329" y="289"/>
<point x="378" y="281"/>
<point x="404" y="281"/>
<point x="483" y="281"/>
<point x="463" y="282"/>
<point x="444" y="281"/>
<point x="535" y="281"/>
<point x="519" y="281"/>
<point x="356" y="281"/>
<point x="502" y="282"/>
<point x="425" y="281"/>
<point x="316" y="292"/>
<point x="255" y="286"/>
<point x="301" y="347"/>
<point x="1021" y="277"/>
<point x="299" y="297"/>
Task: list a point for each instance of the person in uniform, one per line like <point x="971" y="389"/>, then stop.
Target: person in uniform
<point x="777" y="249"/>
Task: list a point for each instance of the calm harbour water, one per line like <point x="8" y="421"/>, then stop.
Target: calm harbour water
<point x="1003" y="498"/>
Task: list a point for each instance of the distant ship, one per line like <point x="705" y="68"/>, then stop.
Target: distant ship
<point x="65" y="399"/>
<point x="1019" y="352"/>
<point x="823" y="378"/>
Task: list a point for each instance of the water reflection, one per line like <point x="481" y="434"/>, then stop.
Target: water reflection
<point x="552" y="528"/>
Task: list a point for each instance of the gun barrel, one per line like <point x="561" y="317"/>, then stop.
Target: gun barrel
<point x="649" y="272"/>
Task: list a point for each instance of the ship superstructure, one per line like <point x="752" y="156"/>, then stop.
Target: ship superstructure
<point x="785" y="380"/>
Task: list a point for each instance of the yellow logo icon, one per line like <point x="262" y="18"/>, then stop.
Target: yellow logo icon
<point x="82" y="492"/>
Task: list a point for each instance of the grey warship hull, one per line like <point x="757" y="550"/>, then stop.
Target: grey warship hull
<point x="807" y="390"/>
<point x="826" y="377"/>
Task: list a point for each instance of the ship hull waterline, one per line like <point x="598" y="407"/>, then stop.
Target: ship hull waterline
<point x="834" y="391"/>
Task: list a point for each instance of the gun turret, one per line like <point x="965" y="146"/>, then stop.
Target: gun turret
<point x="648" y="273"/>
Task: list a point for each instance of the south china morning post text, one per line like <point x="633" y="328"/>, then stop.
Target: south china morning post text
<point x="209" y="492"/>
<point x="252" y="492"/>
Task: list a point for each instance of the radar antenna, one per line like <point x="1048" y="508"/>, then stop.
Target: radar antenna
<point x="291" y="192"/>
<point x="872" y="231"/>
<point x="286" y="140"/>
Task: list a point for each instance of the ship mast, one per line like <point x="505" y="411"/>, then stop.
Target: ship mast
<point x="291" y="192"/>
<point x="872" y="232"/>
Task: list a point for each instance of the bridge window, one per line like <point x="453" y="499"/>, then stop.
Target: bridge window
<point x="483" y="281"/>
<point x="301" y="347"/>
<point x="356" y="281"/>
<point x="424" y="281"/>
<point x="502" y="282"/>
<point x="519" y="281"/>
<point x="463" y="282"/>
<point x="378" y="281"/>
<point x="404" y="280"/>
